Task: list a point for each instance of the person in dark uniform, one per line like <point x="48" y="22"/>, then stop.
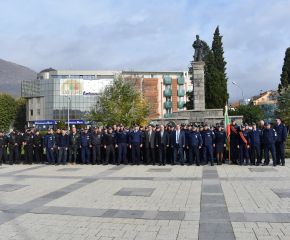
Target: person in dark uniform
<point x="149" y="145"/>
<point x="177" y="143"/>
<point x="162" y="141"/>
<point x="109" y="145"/>
<point x="56" y="151"/>
<point x="262" y="128"/>
<point x="136" y="142"/>
<point x="49" y="146"/>
<point x="5" y="155"/>
<point x="63" y="145"/>
<point x="79" y="156"/>
<point x="208" y="139"/>
<point x="200" y="129"/>
<point x="243" y="145"/>
<point x="84" y="143"/>
<point x="142" y="150"/>
<point x="116" y="129"/>
<point x="281" y="131"/>
<point x="169" y="153"/>
<point x="103" y="150"/>
<point x="193" y="144"/>
<point x="183" y="129"/>
<point x="122" y="141"/>
<point x="156" y="150"/>
<point x="38" y="148"/>
<point x="28" y="143"/>
<point x="234" y="135"/>
<point x="96" y="142"/>
<point x="269" y="139"/>
<point x="189" y="129"/>
<point x="2" y="145"/>
<point x="255" y="140"/>
<point x="74" y="138"/>
<point x="13" y="140"/>
<point x="220" y="143"/>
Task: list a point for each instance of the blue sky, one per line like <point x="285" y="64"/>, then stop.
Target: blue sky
<point x="148" y="35"/>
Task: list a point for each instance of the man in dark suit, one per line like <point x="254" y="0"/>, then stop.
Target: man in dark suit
<point x="162" y="141"/>
<point x="149" y="143"/>
<point x="177" y="143"/>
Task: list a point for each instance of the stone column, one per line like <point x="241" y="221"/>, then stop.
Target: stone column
<point x="198" y="85"/>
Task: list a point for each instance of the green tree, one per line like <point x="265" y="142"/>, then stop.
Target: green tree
<point x="250" y="113"/>
<point x="121" y="102"/>
<point x="20" y="118"/>
<point x="218" y="52"/>
<point x="283" y="106"/>
<point x="61" y="124"/>
<point x="7" y="110"/>
<point x="285" y="76"/>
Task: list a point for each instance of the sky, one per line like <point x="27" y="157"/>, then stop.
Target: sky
<point x="149" y="35"/>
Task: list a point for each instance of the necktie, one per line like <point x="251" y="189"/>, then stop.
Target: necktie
<point x="177" y="140"/>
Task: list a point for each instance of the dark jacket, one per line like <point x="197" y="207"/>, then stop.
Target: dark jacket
<point x="37" y="140"/>
<point x="74" y="139"/>
<point x="269" y="136"/>
<point x="122" y="136"/>
<point x="181" y="138"/>
<point x="96" y="138"/>
<point x="63" y="141"/>
<point x="151" y="143"/>
<point x="220" y="136"/>
<point x="56" y="135"/>
<point x="136" y="137"/>
<point x="49" y="141"/>
<point x="233" y="135"/>
<point x="109" y="139"/>
<point x="85" y="140"/>
<point x="208" y="137"/>
<point x="193" y="139"/>
<point x="246" y="136"/>
<point x="255" y="137"/>
<point x="165" y="139"/>
<point x="13" y="138"/>
<point x="28" y="139"/>
<point x="281" y="131"/>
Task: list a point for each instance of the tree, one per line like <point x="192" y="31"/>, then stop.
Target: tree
<point x="20" y="118"/>
<point x="285" y="76"/>
<point x="218" y="52"/>
<point x="283" y="106"/>
<point x="250" y="113"/>
<point x="7" y="110"/>
<point x="61" y="124"/>
<point x="121" y="102"/>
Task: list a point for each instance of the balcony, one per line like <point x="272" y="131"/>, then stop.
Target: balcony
<point x="180" y="80"/>
<point x="181" y="93"/>
<point x="180" y="104"/>
<point x="168" y="115"/>
<point x="168" y="104"/>
<point x="167" y="80"/>
<point x="167" y="92"/>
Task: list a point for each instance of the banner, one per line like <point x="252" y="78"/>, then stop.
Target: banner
<point x="45" y="122"/>
<point x="76" y="122"/>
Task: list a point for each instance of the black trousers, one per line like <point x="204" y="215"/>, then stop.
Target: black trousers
<point x="28" y="154"/>
<point x="38" y="154"/>
<point x="5" y="155"/>
<point x="169" y="155"/>
<point x="193" y="153"/>
<point x="136" y="153"/>
<point x="162" y="153"/>
<point x="257" y="149"/>
<point x="13" y="153"/>
<point x="73" y="149"/>
<point x="1" y="153"/>
<point x="110" y="151"/>
<point x="150" y="155"/>
<point x="56" y="152"/>
<point x="96" y="152"/>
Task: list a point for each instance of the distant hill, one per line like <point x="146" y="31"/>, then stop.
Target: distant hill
<point x="11" y="75"/>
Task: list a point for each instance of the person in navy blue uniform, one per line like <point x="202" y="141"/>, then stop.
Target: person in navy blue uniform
<point x="136" y="142"/>
<point x="178" y="143"/>
<point x="109" y="145"/>
<point x="85" y="142"/>
<point x="234" y="135"/>
<point x="243" y="145"/>
<point x="96" y="142"/>
<point x="281" y="131"/>
<point x="255" y="140"/>
<point x="162" y="142"/>
<point x="122" y="141"/>
<point x="208" y="139"/>
<point x="220" y="143"/>
<point x="193" y="144"/>
<point x="262" y="128"/>
<point x="48" y="146"/>
<point x="63" y="144"/>
<point x="269" y="139"/>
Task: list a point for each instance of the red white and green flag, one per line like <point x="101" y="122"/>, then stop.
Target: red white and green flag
<point x="227" y="122"/>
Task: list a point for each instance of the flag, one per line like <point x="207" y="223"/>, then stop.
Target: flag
<point x="227" y="122"/>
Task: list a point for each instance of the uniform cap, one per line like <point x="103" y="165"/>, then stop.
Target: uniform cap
<point x="253" y="123"/>
<point x="266" y="124"/>
<point x="205" y="125"/>
<point x="105" y="128"/>
<point x="233" y="120"/>
<point x="135" y="125"/>
<point x="64" y="129"/>
<point x="218" y="125"/>
<point x="146" y="127"/>
<point x="277" y="118"/>
<point x="189" y="125"/>
<point x="121" y="125"/>
<point x="85" y="129"/>
<point x="3" y="131"/>
<point x="242" y="126"/>
<point x="211" y="126"/>
<point x="82" y="129"/>
<point x="246" y="124"/>
<point x="157" y="127"/>
<point x="110" y="128"/>
<point x="194" y="126"/>
<point x="157" y="124"/>
<point x="141" y="126"/>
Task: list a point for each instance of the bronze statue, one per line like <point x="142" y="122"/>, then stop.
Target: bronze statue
<point x="197" y="45"/>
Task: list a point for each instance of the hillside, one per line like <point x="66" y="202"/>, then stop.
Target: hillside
<point x="11" y="75"/>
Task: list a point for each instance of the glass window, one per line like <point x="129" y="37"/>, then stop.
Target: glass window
<point x="190" y="87"/>
<point x="147" y="76"/>
<point x="180" y="87"/>
<point x="268" y="98"/>
<point x="31" y="112"/>
<point x="41" y="77"/>
<point x="180" y="99"/>
<point x="31" y="101"/>
<point x="168" y="110"/>
<point x="153" y="76"/>
<point x="105" y="76"/>
<point x="38" y="111"/>
<point x="168" y="87"/>
<point x="165" y="75"/>
<point x="168" y="99"/>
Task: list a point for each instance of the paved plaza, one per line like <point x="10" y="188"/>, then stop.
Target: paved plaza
<point x="144" y="202"/>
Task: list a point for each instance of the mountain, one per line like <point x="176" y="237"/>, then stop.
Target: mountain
<point x="11" y="75"/>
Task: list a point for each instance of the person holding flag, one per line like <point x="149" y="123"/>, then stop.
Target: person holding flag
<point x="234" y="135"/>
<point x="243" y="145"/>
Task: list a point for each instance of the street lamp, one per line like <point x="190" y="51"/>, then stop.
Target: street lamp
<point x="241" y="89"/>
<point x="68" y="98"/>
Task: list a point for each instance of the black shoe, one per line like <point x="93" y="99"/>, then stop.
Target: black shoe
<point x="48" y="164"/>
<point x="11" y="163"/>
<point x="182" y="164"/>
<point x="159" y="164"/>
<point x="105" y="164"/>
<point x="283" y="164"/>
<point x="265" y="164"/>
<point x="118" y="163"/>
<point x="274" y="165"/>
<point x="257" y="164"/>
<point x="163" y="164"/>
<point x="30" y="163"/>
<point x="197" y="165"/>
<point x="57" y="164"/>
<point x="211" y="164"/>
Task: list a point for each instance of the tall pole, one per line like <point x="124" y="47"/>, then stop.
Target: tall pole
<point x="68" y="113"/>
<point x="242" y="91"/>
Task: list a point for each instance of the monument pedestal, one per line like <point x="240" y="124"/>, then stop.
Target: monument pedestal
<point x="198" y="85"/>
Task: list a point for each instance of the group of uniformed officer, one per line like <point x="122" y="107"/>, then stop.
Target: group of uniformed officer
<point x="154" y="144"/>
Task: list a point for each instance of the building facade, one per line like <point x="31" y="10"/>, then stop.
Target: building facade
<point x="53" y="93"/>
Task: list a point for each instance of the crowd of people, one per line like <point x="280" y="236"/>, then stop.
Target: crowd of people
<point x="154" y="144"/>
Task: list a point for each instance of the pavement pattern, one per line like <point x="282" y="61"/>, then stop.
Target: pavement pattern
<point x="144" y="202"/>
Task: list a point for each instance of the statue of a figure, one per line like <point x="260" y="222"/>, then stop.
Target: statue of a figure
<point x="197" y="45"/>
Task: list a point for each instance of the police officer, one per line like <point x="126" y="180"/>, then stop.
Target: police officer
<point x="162" y="142"/>
<point x="109" y="145"/>
<point x="234" y="135"/>
<point x="37" y="144"/>
<point x="96" y="142"/>
<point x="169" y="153"/>
<point x="122" y="141"/>
<point x="74" y="138"/>
<point x="208" y="138"/>
<point x="13" y="140"/>
<point x="5" y="155"/>
<point x="220" y="143"/>
<point x="63" y="144"/>
<point x="262" y="128"/>
<point x="48" y="146"/>
<point x="57" y="134"/>
<point x="84" y="145"/>
<point x="28" y="143"/>
<point x="2" y="145"/>
<point x="193" y="144"/>
<point x="255" y="140"/>
<point x="281" y="131"/>
<point x="243" y="145"/>
<point x="269" y="139"/>
<point x="136" y="142"/>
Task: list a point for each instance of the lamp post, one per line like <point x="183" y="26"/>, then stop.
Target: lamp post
<point x="68" y="98"/>
<point x="242" y="91"/>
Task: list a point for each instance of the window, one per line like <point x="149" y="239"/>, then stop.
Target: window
<point x="168" y="99"/>
<point x="190" y="88"/>
<point x="31" y="112"/>
<point x="105" y="76"/>
<point x="268" y="98"/>
<point x="165" y="75"/>
<point x="153" y="76"/>
<point x="31" y="101"/>
<point x="168" y="87"/>
<point x="41" y="77"/>
<point x="147" y="76"/>
<point x="168" y="110"/>
<point x="38" y="112"/>
<point x="38" y="100"/>
<point x="180" y="99"/>
<point x="180" y="87"/>
<point x="59" y="76"/>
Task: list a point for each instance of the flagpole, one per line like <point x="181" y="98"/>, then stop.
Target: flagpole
<point x="227" y="131"/>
